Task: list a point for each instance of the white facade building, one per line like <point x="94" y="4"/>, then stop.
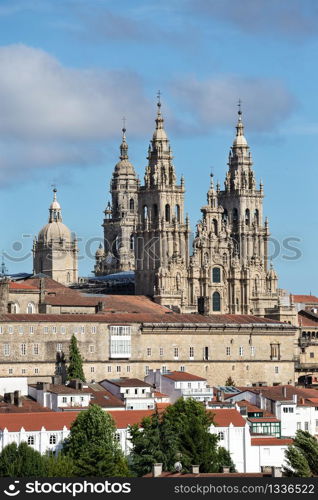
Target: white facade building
<point x="180" y="384"/>
<point x="59" y="397"/>
<point x="137" y="394"/>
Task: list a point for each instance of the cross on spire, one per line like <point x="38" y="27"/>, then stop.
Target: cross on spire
<point x="124" y="124"/>
<point x="159" y="98"/>
<point x="239" y="104"/>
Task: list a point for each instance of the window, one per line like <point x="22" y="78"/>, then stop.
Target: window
<point x="235" y="214"/>
<point x="46" y="329"/>
<point x="54" y="329"/>
<point x="109" y="368"/>
<point x="167" y="213"/>
<point x="52" y="439"/>
<point x="146" y="370"/>
<point x="306" y="426"/>
<point x="216" y="275"/>
<point x="148" y="351"/>
<point x="298" y="425"/>
<point x="20" y="330"/>
<point x="241" y="350"/>
<point x="176" y="352"/>
<point x="82" y="329"/>
<point x="205" y="353"/>
<point x="312" y="354"/>
<point x="36" y="371"/>
<point x="252" y="350"/>
<point x="6" y="349"/>
<point x="177" y="213"/>
<point x="10" y="371"/>
<point x="118" y="369"/>
<point x="228" y="351"/>
<point x="75" y="329"/>
<point x="30" y="440"/>
<point x="1" y="330"/>
<point x="131" y="205"/>
<point x="191" y="352"/>
<point x="247" y="217"/>
<point x="120" y="342"/>
<point x="64" y="399"/>
<point x="164" y="369"/>
<point x="10" y="329"/>
<point x="128" y="369"/>
<point x="182" y="368"/>
<point x="136" y="391"/>
<point x="59" y="347"/>
<point x="14" y="308"/>
<point x="23" y="349"/>
<point x="316" y="425"/>
<point x="216" y="301"/>
<point x="31" y="330"/>
<point x="215" y="226"/>
<point x="92" y="348"/>
<point x="276" y="369"/>
<point x="62" y="330"/>
<point x="221" y="436"/>
<point x="30" y="308"/>
<point x="35" y="349"/>
<point x="160" y="351"/>
<point x="132" y="242"/>
<point x="23" y="371"/>
<point x="288" y="409"/>
<point x="93" y="329"/>
<point x="275" y="351"/>
<point x="92" y="369"/>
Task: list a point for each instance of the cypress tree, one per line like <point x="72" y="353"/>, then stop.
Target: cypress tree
<point x="75" y="368"/>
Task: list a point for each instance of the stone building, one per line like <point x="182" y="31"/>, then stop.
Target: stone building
<point x="55" y="248"/>
<point x="228" y="271"/>
<point x="120" y="218"/>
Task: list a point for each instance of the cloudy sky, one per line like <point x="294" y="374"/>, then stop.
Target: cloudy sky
<point x="71" y="69"/>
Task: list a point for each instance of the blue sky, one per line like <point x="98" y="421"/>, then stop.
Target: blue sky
<point x="71" y="69"/>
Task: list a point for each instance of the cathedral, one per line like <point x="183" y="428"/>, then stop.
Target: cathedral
<point x="146" y="231"/>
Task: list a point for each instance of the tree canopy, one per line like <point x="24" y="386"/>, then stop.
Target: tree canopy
<point x="302" y="456"/>
<point x="75" y="367"/>
<point x="180" y="434"/>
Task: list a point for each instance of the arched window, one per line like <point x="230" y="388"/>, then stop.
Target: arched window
<point x="216" y="275"/>
<point x="52" y="439"/>
<point x="145" y="212"/>
<point x="155" y="211"/>
<point x="256" y="216"/>
<point x="132" y="242"/>
<point x="215" y="226"/>
<point x="131" y="205"/>
<point x="177" y="213"/>
<point x="247" y="217"/>
<point x="167" y="213"/>
<point x="225" y="216"/>
<point x="14" y="308"/>
<point x="235" y="214"/>
<point x="216" y="302"/>
<point x="30" y="308"/>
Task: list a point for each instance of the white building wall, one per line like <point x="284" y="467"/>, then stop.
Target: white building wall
<point x="11" y="384"/>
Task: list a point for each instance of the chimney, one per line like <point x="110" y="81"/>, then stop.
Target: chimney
<point x="9" y="398"/>
<point x="57" y="379"/>
<point x="284" y="392"/>
<point x="156" y="470"/>
<point x="277" y="472"/>
<point x="195" y="469"/>
<point x="295" y="398"/>
<point x="100" y="306"/>
<point x="18" y="399"/>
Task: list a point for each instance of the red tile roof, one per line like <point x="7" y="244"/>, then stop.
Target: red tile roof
<point x="28" y="405"/>
<point x="306" y="318"/>
<point x="16" y="285"/>
<point x="57" y="420"/>
<point x="263" y="419"/>
<point x="183" y="376"/>
<point x="119" y="318"/>
<point x="270" y="441"/>
<point x="303" y="299"/>
<point x="126" y="382"/>
<point x="223" y="418"/>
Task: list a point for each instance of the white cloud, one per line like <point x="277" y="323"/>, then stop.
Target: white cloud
<point x="213" y="101"/>
<point x="52" y="114"/>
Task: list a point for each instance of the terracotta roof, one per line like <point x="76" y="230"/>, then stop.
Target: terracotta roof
<point x="104" y="398"/>
<point x="162" y="406"/>
<point x="263" y="419"/>
<point x="270" y="441"/>
<point x="62" y="389"/>
<point x="126" y="382"/>
<point x="15" y="285"/>
<point x="28" y="405"/>
<point x="53" y="421"/>
<point x="303" y="299"/>
<point x="118" y="318"/>
<point x="160" y="395"/>
<point x="307" y="318"/>
<point x="223" y="418"/>
<point x="183" y="376"/>
<point x="249" y="406"/>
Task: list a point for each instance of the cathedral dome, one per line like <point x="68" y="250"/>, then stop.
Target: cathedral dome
<point x="55" y="230"/>
<point x="240" y="141"/>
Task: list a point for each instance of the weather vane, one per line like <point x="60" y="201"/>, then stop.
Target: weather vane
<point x="239" y="104"/>
<point x="124" y="124"/>
<point x="159" y="97"/>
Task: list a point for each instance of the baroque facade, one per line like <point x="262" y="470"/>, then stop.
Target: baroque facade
<point x="146" y="230"/>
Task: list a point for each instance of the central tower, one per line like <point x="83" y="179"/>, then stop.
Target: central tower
<point x="162" y="234"/>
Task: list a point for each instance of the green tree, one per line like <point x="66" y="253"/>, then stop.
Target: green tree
<point x="75" y="368"/>
<point x="59" y="465"/>
<point x="230" y="382"/>
<point x="93" y="446"/>
<point x="224" y="460"/>
<point x="302" y="456"/>
<point x="180" y="433"/>
<point x="21" y="461"/>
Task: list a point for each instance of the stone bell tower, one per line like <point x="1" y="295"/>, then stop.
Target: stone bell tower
<point x="120" y="218"/>
<point x="162" y="232"/>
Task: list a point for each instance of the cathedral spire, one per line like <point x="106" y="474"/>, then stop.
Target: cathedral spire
<point x="124" y="145"/>
<point x="240" y="140"/>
